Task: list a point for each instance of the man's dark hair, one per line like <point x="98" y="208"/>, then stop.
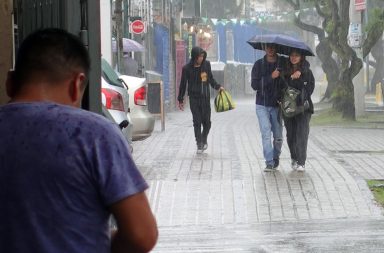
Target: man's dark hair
<point x="50" y="55"/>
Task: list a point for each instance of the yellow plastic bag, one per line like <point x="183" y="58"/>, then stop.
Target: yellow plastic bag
<point x="224" y="102"/>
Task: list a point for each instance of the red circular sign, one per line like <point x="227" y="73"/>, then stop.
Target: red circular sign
<point x="137" y="27"/>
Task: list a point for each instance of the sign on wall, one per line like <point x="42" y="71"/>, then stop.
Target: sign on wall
<point x="137" y="27"/>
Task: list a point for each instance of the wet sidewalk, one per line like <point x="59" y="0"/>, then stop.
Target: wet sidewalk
<point x="222" y="201"/>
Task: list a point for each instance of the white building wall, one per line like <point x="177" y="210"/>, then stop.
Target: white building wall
<point x="105" y="30"/>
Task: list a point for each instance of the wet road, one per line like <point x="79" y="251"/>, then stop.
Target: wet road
<point x="222" y="201"/>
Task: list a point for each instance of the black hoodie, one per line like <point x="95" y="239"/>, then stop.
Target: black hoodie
<point x="197" y="78"/>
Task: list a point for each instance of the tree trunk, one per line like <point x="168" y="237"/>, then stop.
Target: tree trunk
<point x="329" y="65"/>
<point x="344" y="99"/>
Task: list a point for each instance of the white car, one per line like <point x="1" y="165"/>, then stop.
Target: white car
<point x="114" y="96"/>
<point x="143" y="121"/>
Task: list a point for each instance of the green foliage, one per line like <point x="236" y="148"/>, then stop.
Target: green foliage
<point x="377" y="188"/>
<point x="330" y="27"/>
<point x="331" y="117"/>
<point x="376" y="18"/>
<point x="328" y="117"/>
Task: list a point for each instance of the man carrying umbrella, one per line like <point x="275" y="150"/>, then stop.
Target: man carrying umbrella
<point x="266" y="82"/>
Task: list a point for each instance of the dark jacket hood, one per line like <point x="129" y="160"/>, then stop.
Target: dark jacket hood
<point x="195" y="52"/>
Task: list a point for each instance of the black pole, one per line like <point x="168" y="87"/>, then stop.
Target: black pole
<point x="84" y="21"/>
<point x="127" y="7"/>
<point x="197" y="8"/>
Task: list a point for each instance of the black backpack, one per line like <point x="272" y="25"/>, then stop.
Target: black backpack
<point x="288" y="102"/>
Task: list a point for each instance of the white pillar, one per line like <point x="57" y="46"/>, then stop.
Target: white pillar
<point x="358" y="81"/>
<point x="105" y="30"/>
<point x="359" y="89"/>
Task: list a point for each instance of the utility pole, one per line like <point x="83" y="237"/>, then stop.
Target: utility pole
<point x="119" y="34"/>
<point x="6" y="39"/>
<point x="127" y="7"/>
<point x="358" y="81"/>
<point x="366" y="20"/>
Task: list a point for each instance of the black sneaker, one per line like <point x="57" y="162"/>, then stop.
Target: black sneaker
<point x="199" y="148"/>
<point x="276" y="163"/>
<point x="294" y="164"/>
<point x="269" y="168"/>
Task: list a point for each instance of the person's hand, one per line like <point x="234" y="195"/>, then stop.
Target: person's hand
<point x="181" y="106"/>
<point x="221" y="88"/>
<point x="296" y="75"/>
<point x="275" y="74"/>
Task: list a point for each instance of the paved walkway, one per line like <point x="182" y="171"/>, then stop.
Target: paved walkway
<point x="223" y="196"/>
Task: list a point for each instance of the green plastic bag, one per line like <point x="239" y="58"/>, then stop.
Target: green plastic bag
<point x="224" y="102"/>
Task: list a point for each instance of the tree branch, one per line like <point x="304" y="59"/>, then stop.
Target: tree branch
<point x="302" y="25"/>
<point x="295" y="6"/>
<point x="307" y="27"/>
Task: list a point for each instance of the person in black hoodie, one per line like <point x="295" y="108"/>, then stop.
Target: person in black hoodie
<point x="198" y="75"/>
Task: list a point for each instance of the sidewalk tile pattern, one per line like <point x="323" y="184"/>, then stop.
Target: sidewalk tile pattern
<point x="226" y="184"/>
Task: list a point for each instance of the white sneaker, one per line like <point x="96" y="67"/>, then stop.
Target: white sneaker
<point x="294" y="164"/>
<point x="205" y="146"/>
<point x="300" y="168"/>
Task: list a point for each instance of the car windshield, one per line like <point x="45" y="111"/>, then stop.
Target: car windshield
<point x="109" y="74"/>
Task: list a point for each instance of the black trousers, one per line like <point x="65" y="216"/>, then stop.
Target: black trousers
<point x="201" y="113"/>
<point x="297" y="136"/>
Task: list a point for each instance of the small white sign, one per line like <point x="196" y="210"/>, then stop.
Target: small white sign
<point x="354" y="35"/>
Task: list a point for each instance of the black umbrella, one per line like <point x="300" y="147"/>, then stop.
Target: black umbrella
<point x="284" y="43"/>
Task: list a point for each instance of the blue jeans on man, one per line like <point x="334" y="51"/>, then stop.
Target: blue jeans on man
<point x="270" y="122"/>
